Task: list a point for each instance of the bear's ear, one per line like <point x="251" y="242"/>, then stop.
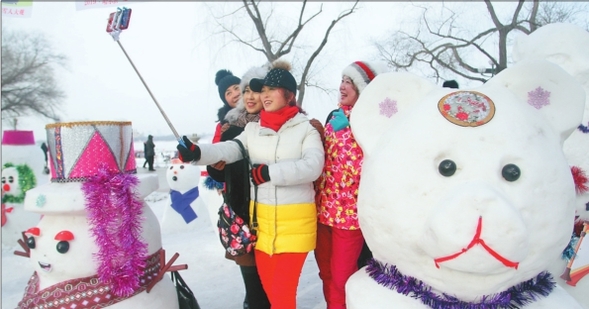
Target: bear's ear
<point x="387" y="95"/>
<point x="546" y="87"/>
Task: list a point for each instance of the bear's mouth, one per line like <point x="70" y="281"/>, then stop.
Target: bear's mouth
<point x="45" y="266"/>
<point x="477" y="240"/>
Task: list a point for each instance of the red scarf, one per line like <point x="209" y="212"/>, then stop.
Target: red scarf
<point x="275" y="120"/>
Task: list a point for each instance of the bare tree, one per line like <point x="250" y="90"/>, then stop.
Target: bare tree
<point x="275" y="45"/>
<point x="29" y="84"/>
<point x="442" y="47"/>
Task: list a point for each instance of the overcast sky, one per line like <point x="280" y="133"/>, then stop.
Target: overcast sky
<point x="170" y="44"/>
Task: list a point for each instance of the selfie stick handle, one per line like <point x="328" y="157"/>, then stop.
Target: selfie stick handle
<point x="153" y="97"/>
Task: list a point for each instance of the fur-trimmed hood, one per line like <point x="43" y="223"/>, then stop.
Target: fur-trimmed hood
<point x="254" y="72"/>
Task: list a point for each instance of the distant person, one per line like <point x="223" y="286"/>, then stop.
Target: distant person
<point x="144" y="151"/>
<point x="150" y="152"/>
<point x="45" y="149"/>
<point x="450" y="84"/>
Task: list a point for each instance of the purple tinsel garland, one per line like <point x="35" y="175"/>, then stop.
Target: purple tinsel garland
<point x="514" y="297"/>
<point x="115" y="215"/>
<point x="584" y="129"/>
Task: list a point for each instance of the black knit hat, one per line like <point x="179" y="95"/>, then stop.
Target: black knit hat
<point x="224" y="79"/>
<point x="450" y="84"/>
<point x="277" y="77"/>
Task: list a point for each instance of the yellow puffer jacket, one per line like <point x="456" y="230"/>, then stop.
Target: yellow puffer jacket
<point x="286" y="228"/>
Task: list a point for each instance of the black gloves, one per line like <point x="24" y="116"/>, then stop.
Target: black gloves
<point x="260" y="174"/>
<point x="189" y="153"/>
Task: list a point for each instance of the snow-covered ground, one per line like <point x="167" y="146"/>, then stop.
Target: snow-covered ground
<point x="215" y="281"/>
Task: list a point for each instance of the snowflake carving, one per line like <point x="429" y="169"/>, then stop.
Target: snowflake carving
<point x="539" y="98"/>
<point x="388" y="107"/>
<point x="41" y="200"/>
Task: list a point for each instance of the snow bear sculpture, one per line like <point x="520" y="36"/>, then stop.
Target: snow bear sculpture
<point x="465" y="196"/>
<point x="567" y="46"/>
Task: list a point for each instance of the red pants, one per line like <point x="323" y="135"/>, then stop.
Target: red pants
<point x="337" y="255"/>
<point x="280" y="275"/>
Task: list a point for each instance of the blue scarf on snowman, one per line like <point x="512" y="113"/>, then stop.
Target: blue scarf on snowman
<point x="181" y="203"/>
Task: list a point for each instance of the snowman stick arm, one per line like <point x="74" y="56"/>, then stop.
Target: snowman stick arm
<point x="21" y="242"/>
<point x="178" y="267"/>
<point x="165" y="268"/>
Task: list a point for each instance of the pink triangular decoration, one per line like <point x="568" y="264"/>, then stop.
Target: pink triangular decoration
<point x="131" y="165"/>
<point x="97" y="151"/>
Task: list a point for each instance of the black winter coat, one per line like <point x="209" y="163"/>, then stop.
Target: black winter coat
<point x="237" y="179"/>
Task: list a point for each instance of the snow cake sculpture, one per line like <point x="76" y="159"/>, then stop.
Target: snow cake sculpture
<point x="567" y="46"/>
<point x="466" y="196"/>
<point x="22" y="169"/>
<point x="98" y="243"/>
<point x="186" y="206"/>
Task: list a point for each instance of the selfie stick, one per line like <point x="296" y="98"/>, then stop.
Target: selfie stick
<point x="117" y="22"/>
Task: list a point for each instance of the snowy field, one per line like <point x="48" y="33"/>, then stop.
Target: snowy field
<point x="215" y="281"/>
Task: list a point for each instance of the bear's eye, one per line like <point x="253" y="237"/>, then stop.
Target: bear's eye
<point x="31" y="242"/>
<point x="181" y="167"/>
<point x="63" y="246"/>
<point x="447" y="168"/>
<point x="511" y="172"/>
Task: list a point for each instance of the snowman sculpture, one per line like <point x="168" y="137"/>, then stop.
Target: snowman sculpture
<point x="466" y="197"/>
<point x="567" y="46"/>
<point x="187" y="209"/>
<point x="98" y="243"/>
<point x="22" y="169"/>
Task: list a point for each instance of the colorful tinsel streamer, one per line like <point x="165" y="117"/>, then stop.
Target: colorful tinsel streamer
<point x="115" y="216"/>
<point x="581" y="180"/>
<point x="569" y="251"/>
<point x="514" y="297"/>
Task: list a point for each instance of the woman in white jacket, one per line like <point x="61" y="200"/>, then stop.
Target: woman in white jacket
<point x="288" y="156"/>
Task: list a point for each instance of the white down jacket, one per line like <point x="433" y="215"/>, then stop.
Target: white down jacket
<point x="295" y="158"/>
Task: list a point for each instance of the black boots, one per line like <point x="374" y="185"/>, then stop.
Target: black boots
<point x="255" y="296"/>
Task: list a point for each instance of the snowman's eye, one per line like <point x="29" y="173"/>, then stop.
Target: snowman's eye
<point x="31" y="242"/>
<point x="63" y="246"/>
<point x="10" y="179"/>
<point x="3" y="179"/>
<point x="511" y="172"/>
<point x="171" y="167"/>
<point x="447" y="168"/>
<point x="181" y="167"/>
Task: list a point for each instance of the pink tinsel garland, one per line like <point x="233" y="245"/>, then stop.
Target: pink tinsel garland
<point x="115" y="215"/>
